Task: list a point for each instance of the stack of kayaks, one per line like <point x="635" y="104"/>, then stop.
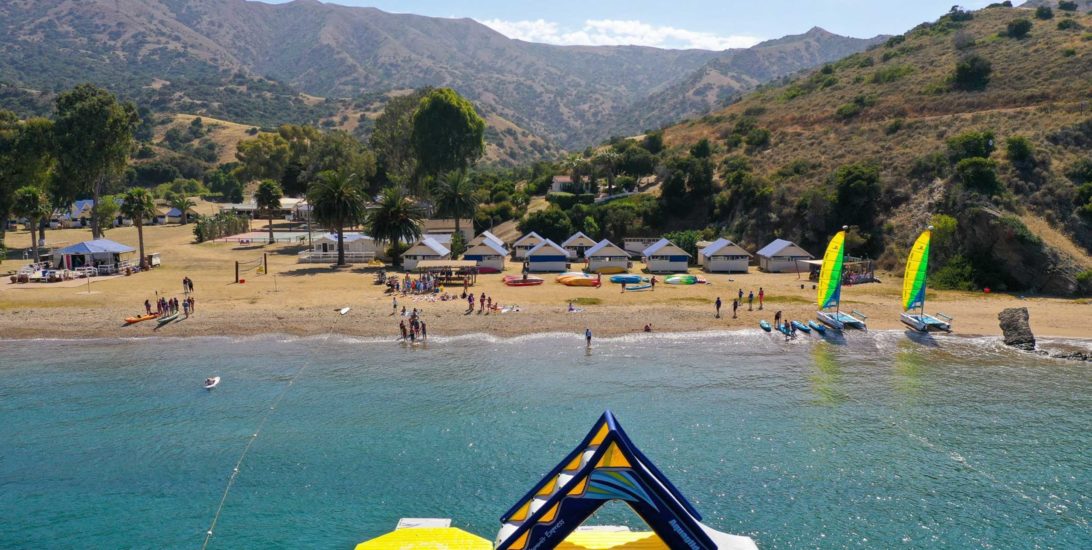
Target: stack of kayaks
<point x="578" y="279"/>
<point x="684" y="280"/>
<point x="519" y="280"/>
<point x="628" y="279"/>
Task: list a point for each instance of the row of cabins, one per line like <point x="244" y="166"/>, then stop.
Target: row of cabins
<point x="78" y="215"/>
<point x="542" y="255"/>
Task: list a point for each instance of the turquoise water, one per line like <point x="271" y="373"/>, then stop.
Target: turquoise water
<point x="880" y="442"/>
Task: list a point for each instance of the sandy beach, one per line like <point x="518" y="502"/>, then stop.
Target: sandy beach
<point x="302" y="299"/>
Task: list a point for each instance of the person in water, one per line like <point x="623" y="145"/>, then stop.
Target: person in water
<point x="587" y="336"/>
<point x="648" y="327"/>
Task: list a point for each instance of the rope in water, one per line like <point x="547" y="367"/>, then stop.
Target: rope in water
<point x="249" y="444"/>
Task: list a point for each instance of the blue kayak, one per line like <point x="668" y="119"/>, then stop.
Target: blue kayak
<point x="765" y="326"/>
<point x="801" y="327"/>
<point x="638" y="288"/>
<point x="784" y="329"/>
<point x="817" y="327"/>
<point x="627" y="279"/>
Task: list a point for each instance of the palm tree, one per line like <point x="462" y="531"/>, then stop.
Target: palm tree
<point x="573" y="164"/>
<point x="139" y="205"/>
<point x="268" y="198"/>
<point x="608" y="160"/>
<point x="455" y="197"/>
<point x="182" y="203"/>
<point x="395" y="220"/>
<point x="31" y="203"/>
<point x="337" y="201"/>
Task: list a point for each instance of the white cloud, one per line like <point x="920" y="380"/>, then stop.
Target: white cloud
<point x="611" y="32"/>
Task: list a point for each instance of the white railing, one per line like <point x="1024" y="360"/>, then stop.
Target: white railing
<point x="313" y="257"/>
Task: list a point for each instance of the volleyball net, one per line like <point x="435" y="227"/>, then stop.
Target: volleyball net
<point x="257" y="266"/>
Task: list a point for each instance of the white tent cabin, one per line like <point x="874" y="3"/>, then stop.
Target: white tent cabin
<point x="488" y="254"/>
<point x="577" y="245"/>
<point x="359" y="248"/>
<point x="666" y="257"/>
<point x="524" y="244"/>
<point x="483" y="236"/>
<point x="547" y="257"/>
<point x="637" y="245"/>
<point x="724" y="256"/>
<point x="427" y="248"/>
<point x="607" y="257"/>
<point x="781" y="256"/>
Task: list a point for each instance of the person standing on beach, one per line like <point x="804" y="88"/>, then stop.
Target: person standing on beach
<point x="653" y="282"/>
<point x="402" y="325"/>
<point x="735" y="306"/>
<point x="741" y="295"/>
<point x="751" y="301"/>
<point x="587" y="336"/>
<point x="394" y="304"/>
<point x="718" y="307"/>
<point x="761" y="297"/>
<point x="148" y="307"/>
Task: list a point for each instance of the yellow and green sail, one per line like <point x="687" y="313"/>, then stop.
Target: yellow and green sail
<point x="917" y="265"/>
<point x="830" y="277"/>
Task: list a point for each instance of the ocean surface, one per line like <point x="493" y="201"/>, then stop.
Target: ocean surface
<point x="877" y="441"/>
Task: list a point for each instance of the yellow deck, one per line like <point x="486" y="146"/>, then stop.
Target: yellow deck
<point x="450" y="538"/>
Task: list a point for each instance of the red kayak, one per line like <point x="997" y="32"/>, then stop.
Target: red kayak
<point x="513" y="280"/>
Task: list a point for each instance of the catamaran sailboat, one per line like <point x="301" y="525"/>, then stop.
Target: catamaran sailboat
<point x="830" y="289"/>
<point x="913" y="289"/>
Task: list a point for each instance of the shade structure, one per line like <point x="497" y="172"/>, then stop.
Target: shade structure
<point x="427" y="538"/>
<point x="98" y="246"/>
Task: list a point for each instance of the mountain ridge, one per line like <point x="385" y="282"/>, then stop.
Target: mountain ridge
<point x="570" y="95"/>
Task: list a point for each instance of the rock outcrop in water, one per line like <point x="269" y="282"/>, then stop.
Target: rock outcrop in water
<point x="1014" y="324"/>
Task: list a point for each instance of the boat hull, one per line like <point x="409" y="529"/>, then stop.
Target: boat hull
<point x="638" y="288"/>
<point x="765" y="326"/>
<point x="840" y="320"/>
<point x="140" y="319"/>
<point x="925" y="323"/>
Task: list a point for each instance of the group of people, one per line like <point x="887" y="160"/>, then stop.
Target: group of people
<point x="170" y="306"/>
<point x="486" y="304"/>
<point x="425" y="284"/>
<point x="738" y="302"/>
<point x="416" y="329"/>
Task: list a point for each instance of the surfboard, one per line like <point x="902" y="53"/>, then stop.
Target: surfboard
<point x="344" y="310"/>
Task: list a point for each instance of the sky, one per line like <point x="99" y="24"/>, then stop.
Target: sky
<point x="704" y="24"/>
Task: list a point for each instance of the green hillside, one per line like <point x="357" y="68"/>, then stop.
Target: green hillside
<point x="874" y="141"/>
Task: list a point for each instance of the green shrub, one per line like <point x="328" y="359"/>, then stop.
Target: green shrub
<point x="890" y="74"/>
<point x="1020" y="231"/>
<point x="972" y="73"/>
<point x="848" y="111"/>
<point x="957" y="274"/>
<point x="894" y="126"/>
<point x="1069" y="24"/>
<point x="866" y="62"/>
<point x="1018" y="150"/>
<point x="1069" y="52"/>
<point x="562" y="199"/>
<point x="1018" y="28"/>
<point x="757" y="139"/>
<point x="895" y="41"/>
<point x="208" y="228"/>
<point x="1066" y="5"/>
<point x="1081" y="173"/>
<point x="929" y="167"/>
<point x="1084" y="283"/>
<point x="970" y="144"/>
<point x="586" y="198"/>
<point x="979" y="174"/>
<point x="1044" y="12"/>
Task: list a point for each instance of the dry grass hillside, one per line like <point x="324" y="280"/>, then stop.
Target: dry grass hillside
<point x="225" y="134"/>
<point x="895" y="106"/>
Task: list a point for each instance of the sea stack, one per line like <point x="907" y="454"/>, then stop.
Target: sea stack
<point x="1014" y="324"/>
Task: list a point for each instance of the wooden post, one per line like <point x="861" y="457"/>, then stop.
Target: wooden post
<point x="265" y="263"/>
<point x="236" y="272"/>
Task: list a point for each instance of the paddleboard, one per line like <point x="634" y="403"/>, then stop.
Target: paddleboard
<point x="215" y="382"/>
<point x="344" y="310"/>
<point x="765" y="326"/>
